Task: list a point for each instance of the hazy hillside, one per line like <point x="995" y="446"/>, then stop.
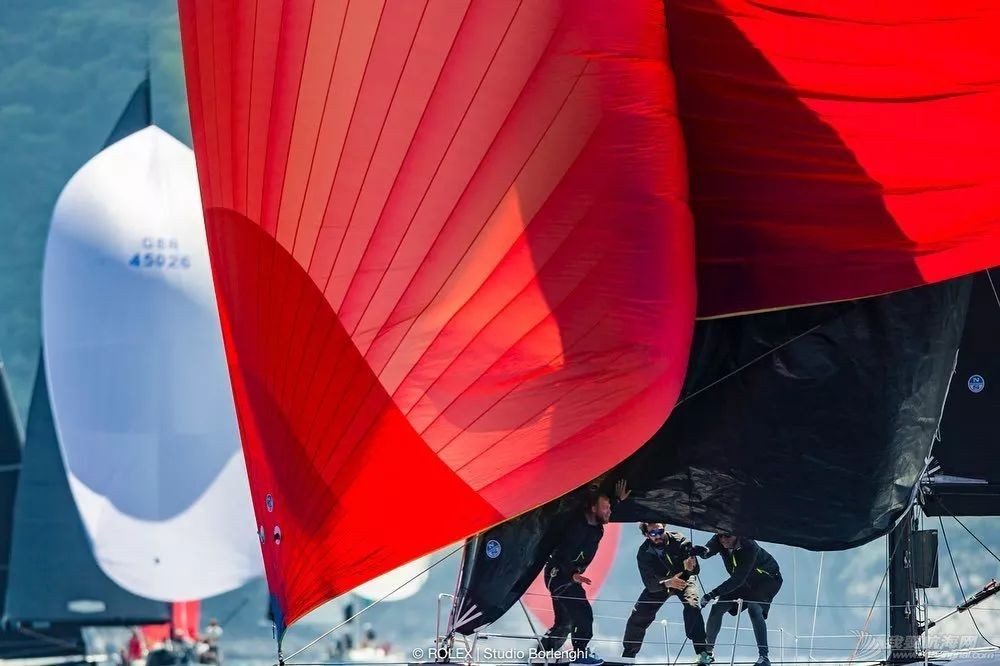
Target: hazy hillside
<point x="67" y="67"/>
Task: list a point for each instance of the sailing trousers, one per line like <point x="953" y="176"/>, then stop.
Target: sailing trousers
<point x="644" y="612"/>
<point x="757" y="598"/>
<point x="573" y="614"/>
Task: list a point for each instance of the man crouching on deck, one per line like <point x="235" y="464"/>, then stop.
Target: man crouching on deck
<point x="754" y="577"/>
<point x="565" y="580"/>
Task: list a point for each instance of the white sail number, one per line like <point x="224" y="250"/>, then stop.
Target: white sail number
<point x="160" y="253"/>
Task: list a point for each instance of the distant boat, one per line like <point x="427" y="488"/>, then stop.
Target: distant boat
<point x="137" y="374"/>
<point x="358" y="641"/>
<point x="133" y="491"/>
<point x="51" y="642"/>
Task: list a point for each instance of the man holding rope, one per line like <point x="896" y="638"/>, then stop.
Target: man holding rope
<point x="668" y="569"/>
<point x="754" y="577"/>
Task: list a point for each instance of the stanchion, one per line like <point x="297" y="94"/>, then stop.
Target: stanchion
<point x="666" y="640"/>
<point x="736" y="632"/>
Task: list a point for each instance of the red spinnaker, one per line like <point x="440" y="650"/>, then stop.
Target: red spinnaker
<point x="837" y="148"/>
<point x="452" y="247"/>
<point x="453" y="259"/>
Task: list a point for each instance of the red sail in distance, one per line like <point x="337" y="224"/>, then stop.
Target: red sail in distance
<point x="185" y="616"/>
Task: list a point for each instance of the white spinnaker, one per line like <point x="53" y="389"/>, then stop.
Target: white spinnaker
<point x="138" y="379"/>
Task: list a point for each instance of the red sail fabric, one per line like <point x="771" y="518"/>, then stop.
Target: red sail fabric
<point x="837" y="149"/>
<point x="538" y="599"/>
<point x="185" y="616"/>
<point x="453" y="258"/>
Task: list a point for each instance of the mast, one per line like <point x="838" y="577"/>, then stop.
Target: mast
<point x="903" y="627"/>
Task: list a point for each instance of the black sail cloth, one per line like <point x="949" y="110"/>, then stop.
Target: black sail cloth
<point x="966" y="480"/>
<point x="809" y="427"/>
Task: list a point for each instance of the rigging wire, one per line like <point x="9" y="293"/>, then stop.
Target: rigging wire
<point x="369" y="606"/>
<point x="819" y="581"/>
<point x="973" y="535"/>
<point x="959" y="581"/>
<point x="871" y="611"/>
<point x="752" y="361"/>
<point x="996" y="296"/>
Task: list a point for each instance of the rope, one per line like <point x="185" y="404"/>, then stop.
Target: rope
<point x="819" y="581"/>
<point x="748" y="364"/>
<point x="993" y="287"/>
<point x="795" y="598"/>
<point x="871" y="611"/>
<point x="369" y="606"/>
<point x="973" y="535"/>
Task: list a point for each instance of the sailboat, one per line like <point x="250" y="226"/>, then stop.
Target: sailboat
<point x="137" y="378"/>
<point x="57" y="581"/>
<point x="462" y="246"/>
<point x="53" y="642"/>
<point x="133" y="497"/>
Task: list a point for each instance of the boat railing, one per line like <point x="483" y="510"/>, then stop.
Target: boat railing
<point x="784" y="636"/>
<point x="868" y="646"/>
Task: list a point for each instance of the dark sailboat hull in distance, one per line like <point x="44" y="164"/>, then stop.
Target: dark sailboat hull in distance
<point x="50" y="546"/>
<point x="43" y="645"/>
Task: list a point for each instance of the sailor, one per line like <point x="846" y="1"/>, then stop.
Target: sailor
<point x="754" y="577"/>
<point x="209" y="651"/>
<point x="565" y="580"/>
<point x="135" y="650"/>
<point x="213" y="632"/>
<point x="668" y="569"/>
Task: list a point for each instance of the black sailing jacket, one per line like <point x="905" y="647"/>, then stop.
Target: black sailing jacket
<point x="745" y="564"/>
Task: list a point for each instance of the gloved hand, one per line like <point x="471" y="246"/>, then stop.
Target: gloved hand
<point x="700" y="551"/>
<point x="706" y="599"/>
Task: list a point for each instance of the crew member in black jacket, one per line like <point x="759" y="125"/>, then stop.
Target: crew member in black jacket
<point x="668" y="569"/>
<point x="565" y="580"/>
<point x="754" y="577"/>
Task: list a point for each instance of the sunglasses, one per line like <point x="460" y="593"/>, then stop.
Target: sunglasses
<point x="656" y="533"/>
